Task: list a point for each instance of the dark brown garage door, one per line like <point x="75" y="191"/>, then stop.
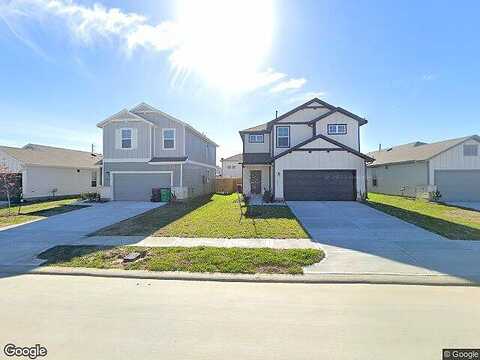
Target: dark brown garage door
<point x="319" y="185"/>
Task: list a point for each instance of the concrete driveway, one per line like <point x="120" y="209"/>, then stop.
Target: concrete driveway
<point x="20" y="245"/>
<point x="361" y="240"/>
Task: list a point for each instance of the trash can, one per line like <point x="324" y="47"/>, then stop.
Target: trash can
<point x="165" y="194"/>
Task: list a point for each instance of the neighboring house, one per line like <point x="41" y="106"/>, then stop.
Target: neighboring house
<point x="451" y="166"/>
<point x="309" y="153"/>
<point x="45" y="168"/>
<point x="218" y="171"/>
<point x="145" y="148"/>
<point x="232" y="166"/>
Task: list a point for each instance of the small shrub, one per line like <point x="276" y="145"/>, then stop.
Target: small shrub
<point x="436" y="195"/>
<point x="90" y="196"/>
<point x="267" y="196"/>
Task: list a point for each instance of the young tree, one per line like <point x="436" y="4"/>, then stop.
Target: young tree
<point x="9" y="185"/>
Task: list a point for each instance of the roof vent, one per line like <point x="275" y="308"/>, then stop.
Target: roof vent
<point x="389" y="149"/>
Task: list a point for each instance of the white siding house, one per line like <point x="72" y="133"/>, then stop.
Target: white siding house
<point x="232" y="166"/>
<point x="49" y="170"/>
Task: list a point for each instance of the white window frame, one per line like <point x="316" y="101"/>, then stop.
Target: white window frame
<point x="334" y="129"/>
<point x="94" y="178"/>
<point x="256" y="138"/>
<point x="471" y="146"/>
<point x="174" y="138"/>
<point x="131" y="139"/>
<point x="282" y="136"/>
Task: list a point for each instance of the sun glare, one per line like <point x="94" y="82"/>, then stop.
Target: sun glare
<point x="225" y="42"/>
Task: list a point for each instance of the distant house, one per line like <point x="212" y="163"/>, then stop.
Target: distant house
<point x="452" y="167"/>
<point x="232" y="166"/>
<point x="48" y="171"/>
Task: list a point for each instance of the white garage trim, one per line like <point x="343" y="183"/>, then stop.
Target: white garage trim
<point x="112" y="173"/>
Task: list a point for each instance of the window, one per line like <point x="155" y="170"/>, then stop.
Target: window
<point x="336" y="129"/>
<point x="470" y="150"/>
<point x="126" y="138"/>
<point x="94" y="178"/>
<point x="283" y="137"/>
<point x="255" y="138"/>
<point x="374" y="181"/>
<point x="168" y="139"/>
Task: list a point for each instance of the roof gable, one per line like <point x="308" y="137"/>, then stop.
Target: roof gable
<point x="123" y="115"/>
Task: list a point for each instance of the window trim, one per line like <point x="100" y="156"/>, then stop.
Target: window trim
<point x="174" y="139"/>
<point x="94" y="179"/>
<point x="329" y="132"/>
<point x="276" y="136"/>
<point x="262" y="136"/>
<point x="474" y="146"/>
<point x="122" y="138"/>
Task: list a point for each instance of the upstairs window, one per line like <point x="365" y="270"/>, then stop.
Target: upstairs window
<point x="470" y="150"/>
<point x="126" y="138"/>
<point x="337" y="129"/>
<point x="255" y="138"/>
<point x="168" y="139"/>
<point x="283" y="136"/>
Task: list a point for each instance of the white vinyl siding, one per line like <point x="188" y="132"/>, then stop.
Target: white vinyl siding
<point x="257" y="147"/>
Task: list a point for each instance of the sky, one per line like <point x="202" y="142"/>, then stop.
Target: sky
<point x="411" y="68"/>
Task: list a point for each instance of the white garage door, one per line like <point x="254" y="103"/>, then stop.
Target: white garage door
<point x="138" y="186"/>
<point x="458" y="185"/>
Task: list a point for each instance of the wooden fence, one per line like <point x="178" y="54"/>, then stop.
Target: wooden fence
<point x="227" y="185"/>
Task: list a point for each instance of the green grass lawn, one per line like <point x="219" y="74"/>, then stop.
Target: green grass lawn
<point x="196" y="259"/>
<point x="38" y="210"/>
<point x="216" y="216"/>
<point x="446" y="220"/>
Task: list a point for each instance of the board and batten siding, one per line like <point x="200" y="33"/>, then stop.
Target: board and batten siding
<point x="198" y="149"/>
<point x="350" y="138"/>
<point x="140" y="145"/>
<point x="454" y="159"/>
<point x="391" y="178"/>
<point x="319" y="160"/>
<point x="257" y="147"/>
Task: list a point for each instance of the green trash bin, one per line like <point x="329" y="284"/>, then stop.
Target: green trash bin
<point x="165" y="194"/>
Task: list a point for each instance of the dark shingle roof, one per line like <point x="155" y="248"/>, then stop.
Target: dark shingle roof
<point x="415" y="151"/>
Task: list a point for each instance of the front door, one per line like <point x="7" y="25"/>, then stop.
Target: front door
<point x="256" y="181"/>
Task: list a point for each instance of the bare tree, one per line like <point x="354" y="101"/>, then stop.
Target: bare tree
<point x="9" y="185"/>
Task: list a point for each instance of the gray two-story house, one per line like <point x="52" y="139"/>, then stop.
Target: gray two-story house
<point x="309" y="153"/>
<point x="145" y="148"/>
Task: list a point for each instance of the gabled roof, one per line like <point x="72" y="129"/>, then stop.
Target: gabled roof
<point x="309" y="104"/>
<point x="138" y="113"/>
<point x="237" y="157"/>
<point x="41" y="155"/>
<point x="416" y="151"/>
<point x="330" y="140"/>
<point x="123" y="115"/>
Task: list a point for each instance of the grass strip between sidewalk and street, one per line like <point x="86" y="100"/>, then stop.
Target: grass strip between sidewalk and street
<point x="191" y="259"/>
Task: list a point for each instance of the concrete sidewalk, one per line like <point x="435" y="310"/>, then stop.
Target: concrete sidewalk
<point x="152" y="241"/>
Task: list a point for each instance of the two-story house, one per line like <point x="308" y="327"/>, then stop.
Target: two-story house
<point x="232" y="166"/>
<point x="309" y="153"/>
<point x="145" y="148"/>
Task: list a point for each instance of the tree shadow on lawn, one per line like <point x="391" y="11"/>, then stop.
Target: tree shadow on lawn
<point x="148" y="223"/>
<point x="445" y="228"/>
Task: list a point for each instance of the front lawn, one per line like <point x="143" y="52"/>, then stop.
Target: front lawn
<point x="446" y="220"/>
<point x="38" y="210"/>
<point x="195" y="259"/>
<point x="216" y="216"/>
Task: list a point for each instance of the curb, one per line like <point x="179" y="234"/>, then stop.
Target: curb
<point x="325" y="278"/>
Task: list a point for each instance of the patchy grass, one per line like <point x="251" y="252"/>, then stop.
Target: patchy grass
<point x="195" y="259"/>
<point x="216" y="216"/>
<point x="447" y="220"/>
<point x="37" y="210"/>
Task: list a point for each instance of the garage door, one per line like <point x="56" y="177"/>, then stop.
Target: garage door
<point x="319" y="185"/>
<point x="458" y="185"/>
<point x="138" y="187"/>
